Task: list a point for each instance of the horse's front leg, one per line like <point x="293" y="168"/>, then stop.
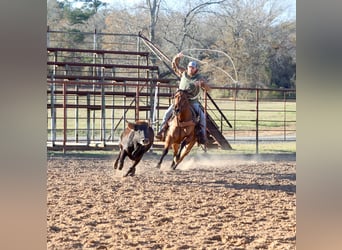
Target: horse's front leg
<point x="184" y="151"/>
<point x="176" y="150"/>
<point x="187" y="150"/>
<point x="165" y="151"/>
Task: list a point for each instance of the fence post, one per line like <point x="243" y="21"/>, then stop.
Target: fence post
<point x="113" y="109"/>
<point x="64" y="116"/>
<point x="155" y="106"/>
<point x="235" y="99"/>
<point x="94" y="88"/>
<point x="88" y="119"/>
<point x="257" y="122"/>
<point x="137" y="98"/>
<point x="284" y="96"/>
<point x="103" y="106"/>
<point x="76" y="113"/>
<point x="53" y="102"/>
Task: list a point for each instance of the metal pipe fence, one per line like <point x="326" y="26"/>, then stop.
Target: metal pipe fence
<point x="92" y="91"/>
<point x="92" y="115"/>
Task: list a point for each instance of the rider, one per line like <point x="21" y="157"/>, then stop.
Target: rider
<point x="191" y="81"/>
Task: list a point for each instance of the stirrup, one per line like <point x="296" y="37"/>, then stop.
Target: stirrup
<point x="202" y="140"/>
<point x="159" y="135"/>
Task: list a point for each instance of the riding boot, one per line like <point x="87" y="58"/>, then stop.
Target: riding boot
<point x="162" y="132"/>
<point x="202" y="139"/>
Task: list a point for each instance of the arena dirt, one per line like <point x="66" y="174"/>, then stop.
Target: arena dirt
<point x="208" y="202"/>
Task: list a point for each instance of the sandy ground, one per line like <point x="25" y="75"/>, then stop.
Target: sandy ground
<point x="209" y="202"/>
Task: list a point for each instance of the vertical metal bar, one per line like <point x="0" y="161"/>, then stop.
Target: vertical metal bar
<point x="158" y="105"/>
<point x="53" y="102"/>
<point x="205" y="111"/>
<point x="76" y="112"/>
<point x="155" y="106"/>
<point x="284" y="99"/>
<point x="113" y="109"/>
<point x="88" y="119"/>
<point x="94" y="86"/>
<point x="235" y="97"/>
<point x="94" y="116"/>
<point x="52" y="110"/>
<point x="149" y="99"/>
<point x="64" y="117"/>
<point x="103" y="106"/>
<point x="137" y="100"/>
<point x="257" y="122"/>
<point x="124" y="103"/>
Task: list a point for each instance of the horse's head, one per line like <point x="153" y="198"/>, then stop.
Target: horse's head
<point x="180" y="101"/>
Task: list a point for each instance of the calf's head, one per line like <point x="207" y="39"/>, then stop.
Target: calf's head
<point x="140" y="134"/>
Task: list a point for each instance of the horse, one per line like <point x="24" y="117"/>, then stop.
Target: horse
<point x="181" y="133"/>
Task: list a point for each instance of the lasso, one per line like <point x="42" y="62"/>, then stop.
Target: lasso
<point x="218" y="51"/>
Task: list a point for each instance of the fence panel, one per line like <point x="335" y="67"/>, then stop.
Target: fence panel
<point x="92" y="91"/>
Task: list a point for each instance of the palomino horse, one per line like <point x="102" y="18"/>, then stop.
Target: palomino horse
<point x="181" y="133"/>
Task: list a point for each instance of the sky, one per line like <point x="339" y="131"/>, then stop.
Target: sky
<point x="291" y="11"/>
<point x="129" y="3"/>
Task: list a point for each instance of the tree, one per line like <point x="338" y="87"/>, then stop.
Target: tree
<point x="254" y="33"/>
<point x="94" y="5"/>
<point x="153" y="7"/>
<point x="249" y="35"/>
<point x="282" y="61"/>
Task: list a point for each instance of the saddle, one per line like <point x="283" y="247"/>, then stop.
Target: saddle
<point x="195" y="118"/>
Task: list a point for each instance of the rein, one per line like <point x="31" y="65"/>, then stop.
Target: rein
<point x="183" y="124"/>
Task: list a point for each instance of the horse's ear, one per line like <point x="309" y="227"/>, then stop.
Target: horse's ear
<point x="130" y="125"/>
<point x="174" y="93"/>
<point x="142" y="122"/>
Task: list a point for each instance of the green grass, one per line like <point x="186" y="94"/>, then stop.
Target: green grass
<point x="275" y="117"/>
<point x="274" y="147"/>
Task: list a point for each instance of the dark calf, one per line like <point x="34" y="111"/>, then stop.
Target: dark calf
<point x="135" y="141"/>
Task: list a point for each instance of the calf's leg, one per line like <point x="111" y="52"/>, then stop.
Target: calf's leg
<point x="115" y="165"/>
<point x="122" y="159"/>
<point x="131" y="170"/>
<point x="165" y="151"/>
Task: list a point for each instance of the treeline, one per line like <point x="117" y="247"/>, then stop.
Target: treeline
<point x="246" y="42"/>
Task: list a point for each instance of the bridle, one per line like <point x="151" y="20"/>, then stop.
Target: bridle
<point x="179" y="103"/>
